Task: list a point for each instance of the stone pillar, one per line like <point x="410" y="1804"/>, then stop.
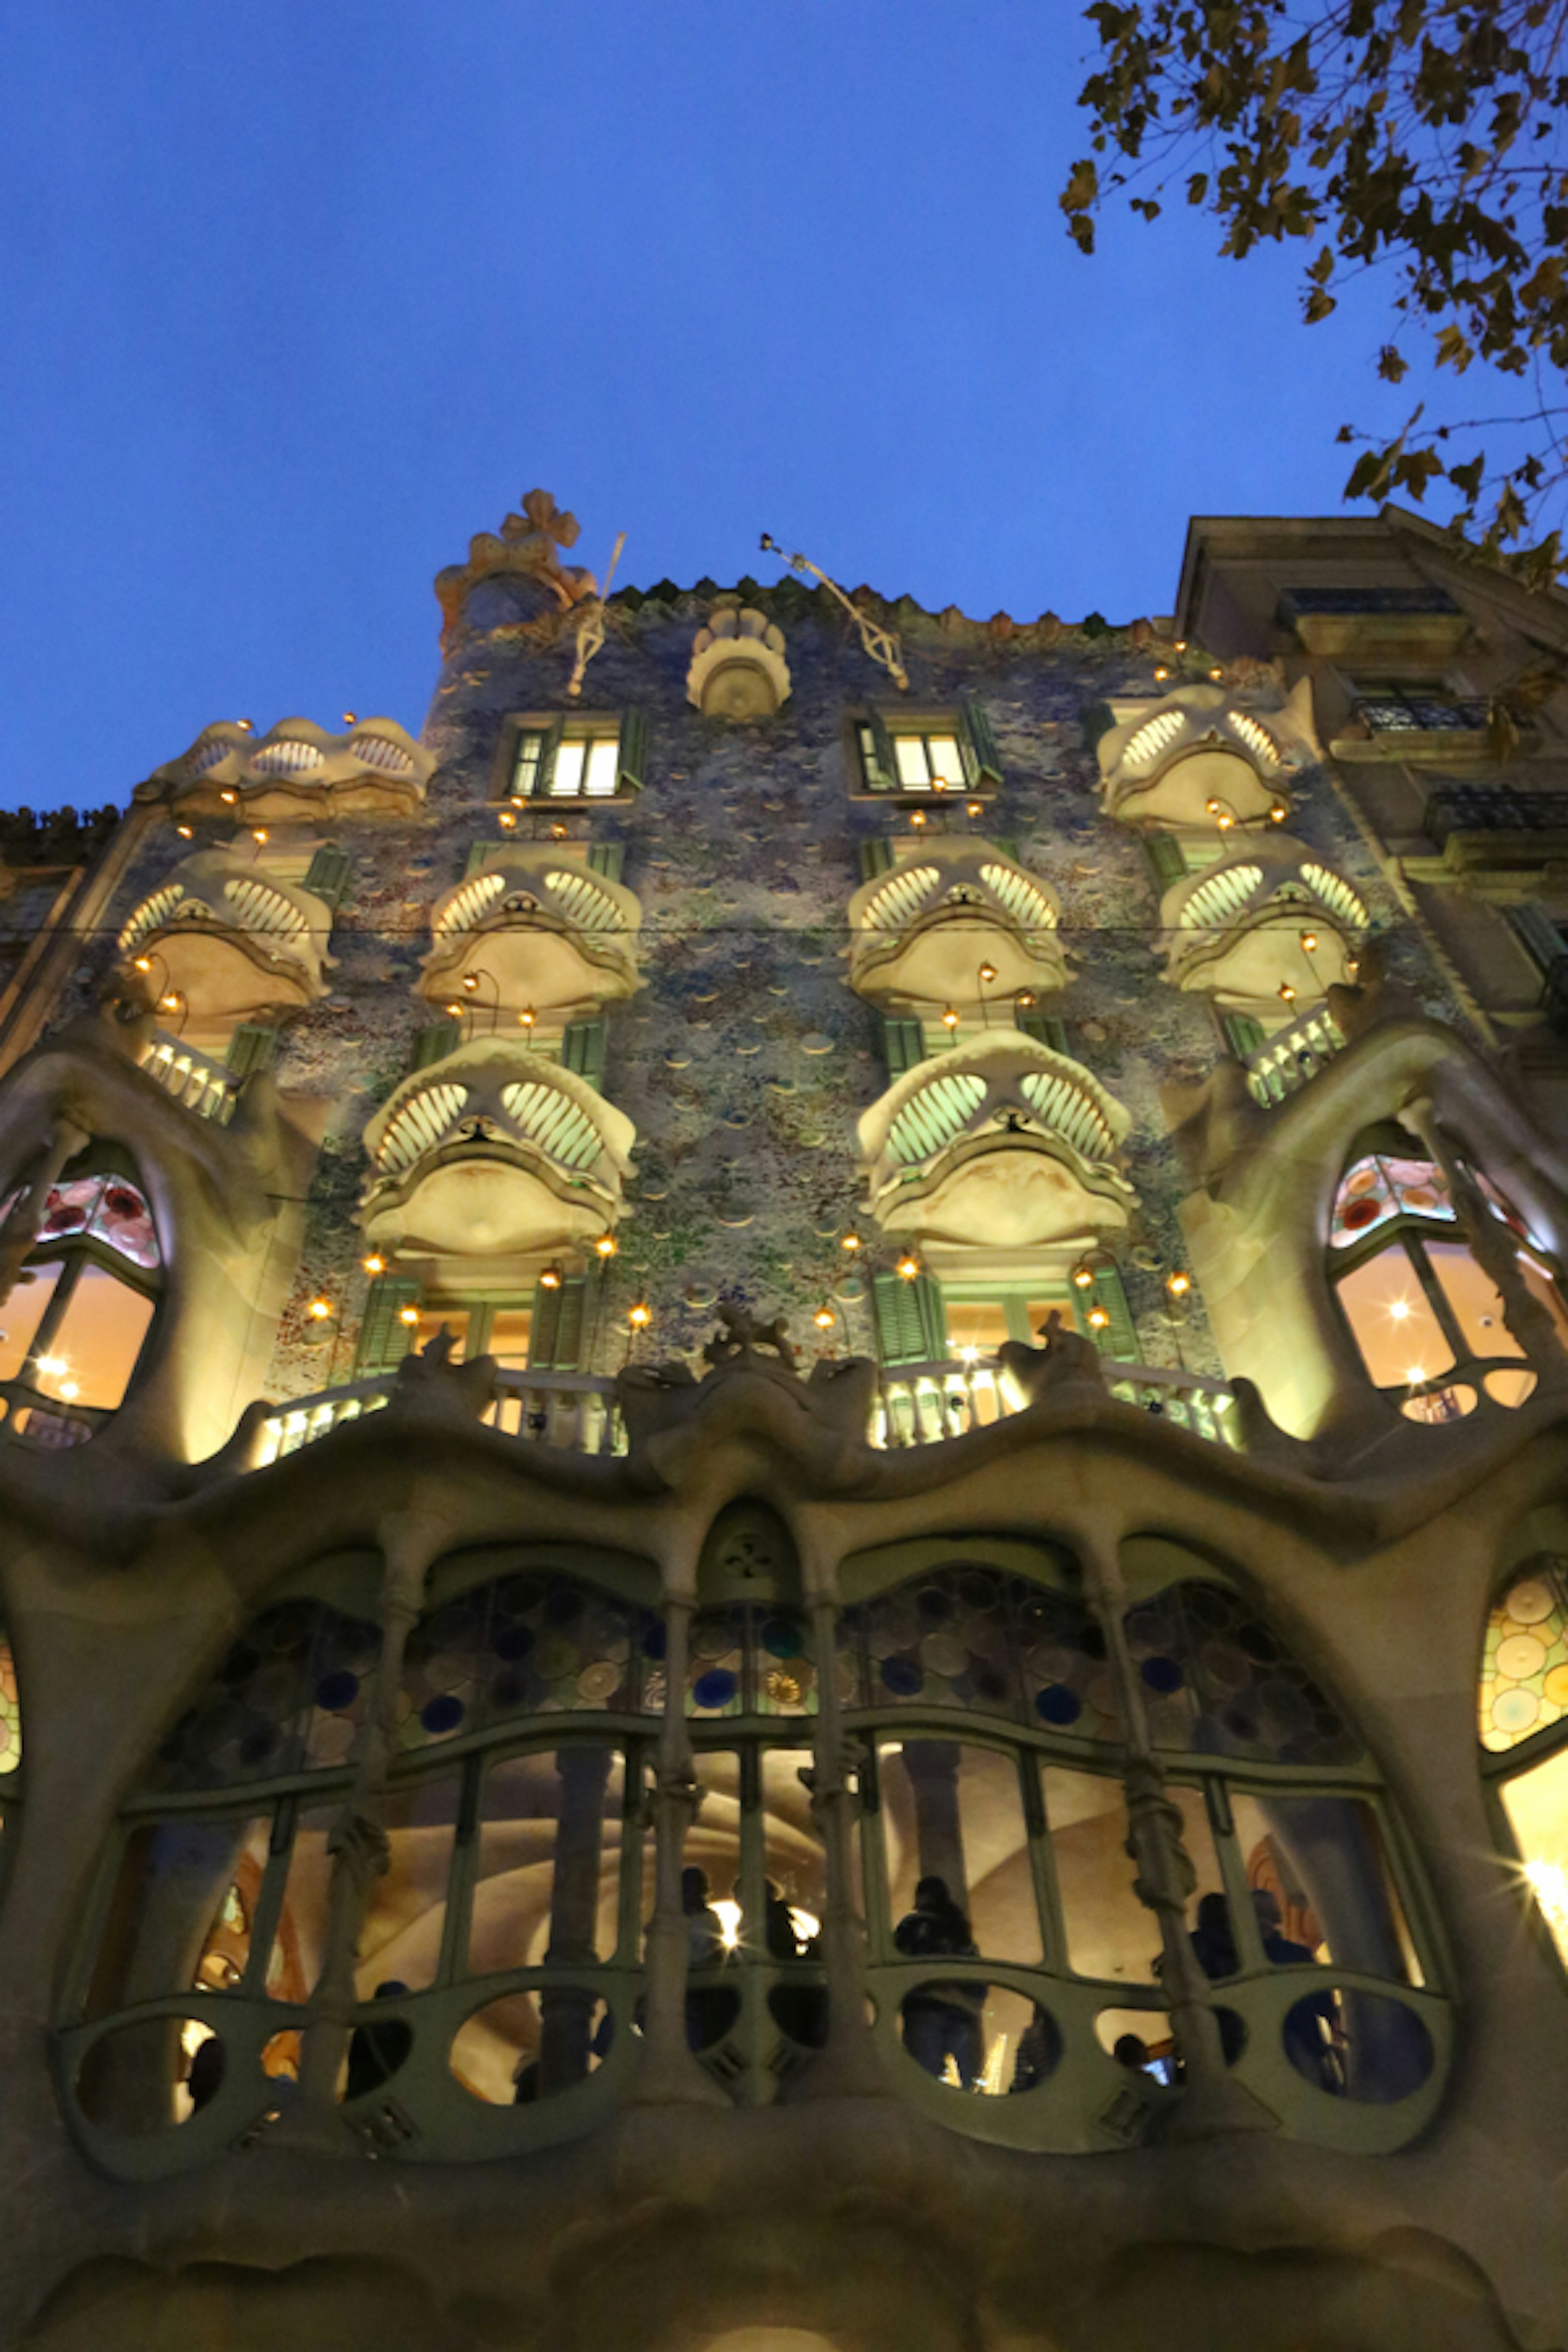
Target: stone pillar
<point x="847" y="2066"/>
<point x="932" y="1767"/>
<point x="1491" y="1246"/>
<point x="668" y="2074"/>
<point x="1214" y="2100"/>
<point x="357" y="1842"/>
<point x="566" y="2011"/>
<point x="21" y="1228"/>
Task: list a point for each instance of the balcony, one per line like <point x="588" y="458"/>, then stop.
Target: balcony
<point x="1286" y="1061"/>
<point x="1413" y="619"/>
<point x="1268" y="927"/>
<point x="533" y="928"/>
<point x="1196" y="760"/>
<point x="1498" y="836"/>
<point x="998" y="1143"/>
<point x="494" y="1152"/>
<point x="191" y="1077"/>
<point x="920" y="934"/>
<point x="224" y="942"/>
<point x="295" y="773"/>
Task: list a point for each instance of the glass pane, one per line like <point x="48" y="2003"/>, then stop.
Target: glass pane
<point x="712" y="1890"/>
<point x="566" y="776"/>
<point x="295" y="1961"/>
<point x="794" y="1861"/>
<point x="1400" y="1338"/>
<point x="1474" y="1298"/>
<point x="959" y="1874"/>
<point x="1540" y="1286"/>
<point x="10" y="1712"/>
<point x="1322" y="1884"/>
<point x="21" y="1315"/>
<point x="507" y="1342"/>
<point x="603" y="767"/>
<point x="975" y="1327"/>
<point x="158" y="2071"/>
<point x="945" y="761"/>
<point x="1216" y="1678"/>
<point x="547" y="1874"/>
<point x="123" y="1220"/>
<point x="509" y="2054"/>
<point x="94" y="1347"/>
<point x="784" y="1678"/>
<point x="948" y="1641"/>
<point x="400" y="1937"/>
<point x="909" y="757"/>
<point x="173" y="1921"/>
<point x="717" y="1672"/>
<point x="295" y="1689"/>
<point x="525" y="774"/>
<point x="981" y="2038"/>
<point x="1524" y="1661"/>
<point x="1537" y="1803"/>
<point x="1109" y="1933"/>
<point x="432" y="1319"/>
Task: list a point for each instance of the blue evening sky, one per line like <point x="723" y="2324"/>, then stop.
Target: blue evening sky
<point x="299" y="294"/>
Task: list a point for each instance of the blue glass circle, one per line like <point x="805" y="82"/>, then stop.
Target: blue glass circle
<point x="781" y="1639"/>
<point x="443" y="1714"/>
<point x="1056" y="1704"/>
<point x="1163" y="1674"/>
<point x="903" y="1677"/>
<point x="513" y="1641"/>
<point x="717" y="1687"/>
<point x="335" y="1692"/>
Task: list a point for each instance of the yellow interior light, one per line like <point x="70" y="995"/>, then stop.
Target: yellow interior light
<point x="917" y="816"/>
<point x="143" y="963"/>
<point x="950" y="1017"/>
<point x="228" y="794"/>
<point x="259" y="832"/>
<point x="1083" y="1277"/>
<point x="508" y="818"/>
<point x="1277" y="813"/>
<point x="408" y="1315"/>
<point x="1309" y="940"/>
<point x="1286" y="993"/>
<point x="184" y="832"/>
<point x="1179" y="1285"/>
<point x="850" y="1242"/>
<point x="974" y="808"/>
<point x="824" y="1317"/>
<point x="469" y="980"/>
<point x="1180" y="645"/>
<point x="374" y="1263"/>
<point x="909" y="1266"/>
<point x="1160" y="671"/>
<point x="987" y="974"/>
<point x="1098" y="1318"/>
<point x="528" y="1017"/>
<point x="168" y="1003"/>
<point x="351" y="718"/>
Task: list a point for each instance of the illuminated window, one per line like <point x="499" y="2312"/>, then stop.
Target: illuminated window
<point x="587" y="759"/>
<point x="74" y="1327"/>
<point x="1426" y="1316"/>
<point x="1523" y="1725"/>
<point x="920" y="757"/>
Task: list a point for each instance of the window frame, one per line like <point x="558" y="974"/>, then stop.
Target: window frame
<point x="74" y="1252"/>
<point x="872" y="730"/>
<point x="628" y="728"/>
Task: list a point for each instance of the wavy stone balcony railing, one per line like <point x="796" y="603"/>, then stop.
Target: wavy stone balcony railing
<point x="919" y="1404"/>
<point x="1196" y="760"/>
<point x="919" y="934"/>
<point x="1270" y="926"/>
<point x="533" y="928"/>
<point x="296" y="769"/>
<point x="191" y="1077"/>
<point x="229" y="942"/>
<point x="1286" y="1062"/>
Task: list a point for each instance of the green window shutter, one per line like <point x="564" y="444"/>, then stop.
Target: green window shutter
<point x="1165" y="857"/>
<point x="383" y="1338"/>
<point x="878" y="769"/>
<point x="1243" y="1035"/>
<point x="434" y="1043"/>
<point x="328" y="874"/>
<point x="582" y="1049"/>
<point x="532" y="760"/>
<point x="252" y="1047"/>
<point x="911" y="1326"/>
<point x="875" y="857"/>
<point x="558" y="1327"/>
<point x="977" y="744"/>
<point x="903" y="1044"/>
<point x="1009" y="847"/>
<point x="479" y="855"/>
<point x="1119" y="1337"/>
<point x="607" y="858"/>
<point x="633" y="755"/>
<point x="1539" y="934"/>
<point x="1044" y="1028"/>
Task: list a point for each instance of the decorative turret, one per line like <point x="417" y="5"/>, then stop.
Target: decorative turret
<point x="738" y="669"/>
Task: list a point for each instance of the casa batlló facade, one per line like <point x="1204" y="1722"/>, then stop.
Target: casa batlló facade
<point x="784" y="1432"/>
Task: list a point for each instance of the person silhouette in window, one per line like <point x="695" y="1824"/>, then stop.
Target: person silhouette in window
<point x="707" y="2006"/>
<point x="1214" y="1943"/>
<point x="941" y="2020"/>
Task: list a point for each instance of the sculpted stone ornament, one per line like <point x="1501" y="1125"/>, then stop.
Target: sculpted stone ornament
<point x="430" y="1384"/>
<point x="1068" y="1360"/>
<point x="752" y="1377"/>
<point x="742" y="1334"/>
<point x="528" y="548"/>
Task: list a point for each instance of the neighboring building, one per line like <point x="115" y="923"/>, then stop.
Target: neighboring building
<point x="471" y="1821"/>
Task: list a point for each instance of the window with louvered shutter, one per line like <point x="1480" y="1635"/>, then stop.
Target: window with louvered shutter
<point x="328" y="874"/>
<point x="874" y="858"/>
<point x="1117" y="1337"/>
<point x="434" y="1043"/>
<point x="982" y="760"/>
<point x="911" y="1327"/>
<point x="607" y="858"/>
<point x="558" y="1331"/>
<point x="633" y="750"/>
<point x="383" y="1338"/>
<point x="1243" y="1035"/>
<point x="903" y="1044"/>
<point x="252" y="1047"/>
<point x="582" y="1049"/>
<point x="480" y="855"/>
<point x="1166" y="860"/>
<point x="874" y="748"/>
<point x="1044" y="1028"/>
<point x="1541" y="934"/>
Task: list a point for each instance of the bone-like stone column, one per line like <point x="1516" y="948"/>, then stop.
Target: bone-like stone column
<point x="847" y="2066"/>
<point x="932" y="1766"/>
<point x="1214" y="2101"/>
<point x="410" y="1542"/>
<point x="564" y="2011"/>
<point x="1527" y="1318"/>
<point x="20" y="1231"/>
<point x="669" y="2074"/>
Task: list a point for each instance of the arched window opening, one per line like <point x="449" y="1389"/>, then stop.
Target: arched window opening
<point x="1426" y="1318"/>
<point x="76" y="1324"/>
<point x="1523" y="1729"/>
<point x="1010" y="1951"/>
<point x="498" y="1954"/>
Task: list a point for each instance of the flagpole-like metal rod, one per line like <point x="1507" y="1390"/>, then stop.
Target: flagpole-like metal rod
<point x="882" y="644"/>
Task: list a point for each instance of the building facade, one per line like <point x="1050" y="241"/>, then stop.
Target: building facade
<point x="784" y="1430"/>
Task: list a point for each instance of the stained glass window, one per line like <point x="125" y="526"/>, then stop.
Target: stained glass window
<point x="976" y="1638"/>
<point x="1378" y="1188"/>
<point x="10" y="1712"/>
<point x="294" y="1692"/>
<point x="750" y="1658"/>
<point x="1524" y="1661"/>
<point x="1218" y="1681"/>
<point x="532" y="1642"/>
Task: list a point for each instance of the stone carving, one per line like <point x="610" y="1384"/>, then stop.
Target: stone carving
<point x="1067" y="1360"/>
<point x="528" y="547"/>
<point x="296" y="770"/>
<point x="738" y="670"/>
<point x="429" y="1382"/>
<point x="742" y="1335"/>
<point x="1200" y="756"/>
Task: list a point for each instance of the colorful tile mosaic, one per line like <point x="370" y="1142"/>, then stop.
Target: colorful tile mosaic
<point x="971" y="1637"/>
<point x="751" y="1659"/>
<point x="1376" y="1190"/>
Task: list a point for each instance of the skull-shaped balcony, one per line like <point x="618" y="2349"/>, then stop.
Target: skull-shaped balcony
<point x="222" y="941"/>
<point x="1266" y="933"/>
<point x="999" y="1144"/>
<point x="954" y="922"/>
<point x="1196" y="760"/>
<point x="494" y="1152"/>
<point x="533" y="928"/>
<point x="296" y="771"/>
